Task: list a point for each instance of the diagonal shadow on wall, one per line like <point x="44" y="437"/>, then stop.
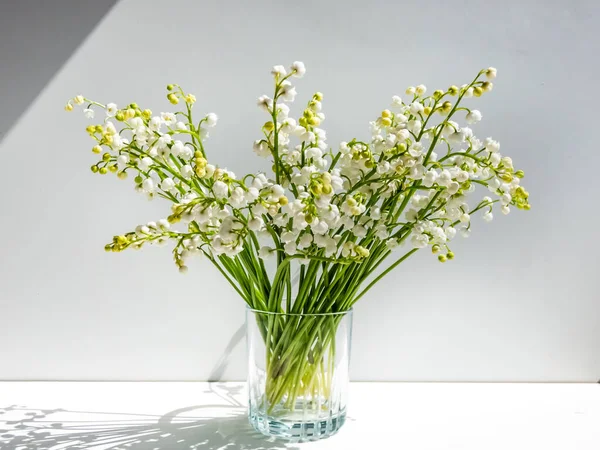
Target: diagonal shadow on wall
<point x="36" y="38"/>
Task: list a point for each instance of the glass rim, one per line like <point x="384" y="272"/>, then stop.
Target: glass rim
<point x="259" y="311"/>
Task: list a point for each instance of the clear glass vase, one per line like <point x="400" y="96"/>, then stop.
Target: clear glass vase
<point x="298" y="373"/>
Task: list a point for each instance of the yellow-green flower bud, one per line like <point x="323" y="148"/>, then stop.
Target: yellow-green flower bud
<point x="316" y="189"/>
<point x="442" y="258"/>
<point x="437" y="94"/>
<point x="446" y="107"/>
<point x="99" y="129"/>
<point x="327" y="189"/>
<point x="103" y="171"/>
<point x="190" y="98"/>
<point x="133" y="105"/>
<point x="318" y="96"/>
<point x="68" y="107"/>
<point x="268" y="126"/>
<point x="283" y="200"/>
<point x="309" y="218"/>
<point x="97" y="149"/>
<point x="427" y="110"/>
<point x="122" y="175"/>
<point x="173" y="98"/>
<point x="361" y="251"/>
<point x="170" y="87"/>
<point x="453" y="90"/>
<point x="314" y="121"/>
<point x="91" y="129"/>
<point x="450" y="255"/>
<point x="519" y="174"/>
<point x="477" y="91"/>
<point x="146" y="114"/>
<point x="386" y="122"/>
<point x="94" y="169"/>
<point x="112" y="169"/>
<point x="435" y="248"/>
<point x="138" y="179"/>
<point x="487" y="86"/>
<point x="120" y="116"/>
<point x="386" y="113"/>
<point x="130" y="113"/>
<point x="106" y="157"/>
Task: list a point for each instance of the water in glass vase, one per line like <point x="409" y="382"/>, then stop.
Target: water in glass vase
<point x="298" y="373"/>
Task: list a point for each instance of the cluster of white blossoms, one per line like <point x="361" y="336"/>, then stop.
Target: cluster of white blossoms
<point x="410" y="184"/>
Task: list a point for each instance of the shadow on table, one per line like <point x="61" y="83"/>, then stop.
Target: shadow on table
<point x="206" y="427"/>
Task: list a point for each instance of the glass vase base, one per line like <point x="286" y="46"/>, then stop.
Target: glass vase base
<point x="299" y="430"/>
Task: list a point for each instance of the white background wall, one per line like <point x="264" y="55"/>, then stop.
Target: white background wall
<point x="520" y="302"/>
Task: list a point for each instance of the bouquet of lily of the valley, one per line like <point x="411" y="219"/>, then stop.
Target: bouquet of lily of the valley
<point x="329" y="219"/>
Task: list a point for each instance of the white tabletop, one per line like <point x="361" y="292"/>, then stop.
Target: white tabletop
<point x="212" y="416"/>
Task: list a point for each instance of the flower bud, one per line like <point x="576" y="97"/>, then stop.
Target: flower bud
<point x="442" y="258"/>
<point x="190" y="98"/>
<point x="103" y="171"/>
<point x="437" y="94"/>
<point x="173" y="98"/>
<point x="94" y="169"/>
<point x="386" y="113"/>
<point x="477" y="91"/>
<point x="68" y="107"/>
<point x="487" y="86"/>
<point x="490" y="73"/>
<point x="318" y="96"/>
<point x="453" y="90"/>
<point x="450" y="255"/>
